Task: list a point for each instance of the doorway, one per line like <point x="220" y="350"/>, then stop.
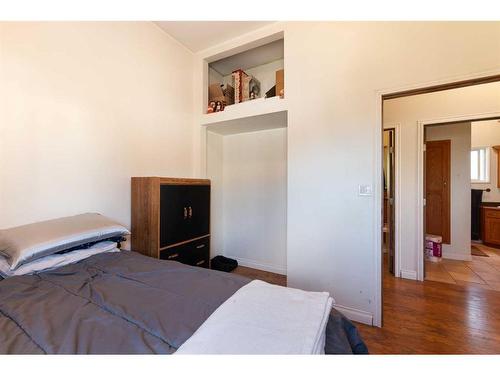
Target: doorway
<point x="408" y="210"/>
<point x="389" y="168"/>
<point x="462" y="196"/>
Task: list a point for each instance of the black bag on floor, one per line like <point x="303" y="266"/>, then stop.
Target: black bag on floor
<point x="221" y="263"/>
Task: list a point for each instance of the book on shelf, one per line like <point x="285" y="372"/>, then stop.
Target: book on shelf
<point x="246" y="87"/>
<point x="238" y="81"/>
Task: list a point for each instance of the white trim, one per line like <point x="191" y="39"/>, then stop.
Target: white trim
<point x="420" y="177"/>
<point x="354" y="314"/>
<point x="409" y="274"/>
<point x="420" y="203"/>
<point x="258" y="265"/>
<point x="397" y="197"/>
<point x="378" y="221"/>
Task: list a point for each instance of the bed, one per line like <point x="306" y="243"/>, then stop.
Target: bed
<point x="122" y="302"/>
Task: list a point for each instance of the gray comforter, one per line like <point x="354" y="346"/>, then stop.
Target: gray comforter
<point x="123" y="303"/>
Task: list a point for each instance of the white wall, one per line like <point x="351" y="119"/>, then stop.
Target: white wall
<point x="460" y="206"/>
<point x="333" y="141"/>
<point x="214" y="76"/>
<point x="487" y="134"/>
<point x="83" y="107"/>
<point x="333" y="71"/>
<point x="215" y="172"/>
<point x="248" y="173"/>
<point x="408" y="111"/>
<point x="255" y="199"/>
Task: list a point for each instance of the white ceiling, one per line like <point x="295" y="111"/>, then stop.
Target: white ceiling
<point x="200" y="35"/>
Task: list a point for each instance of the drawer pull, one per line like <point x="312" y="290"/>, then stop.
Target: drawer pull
<point x="185" y="213"/>
<point x="190" y="209"/>
<point x="173" y="256"/>
<point x="200" y="262"/>
<point x="200" y="246"/>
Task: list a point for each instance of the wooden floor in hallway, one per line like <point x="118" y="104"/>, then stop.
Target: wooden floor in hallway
<point x="435" y="318"/>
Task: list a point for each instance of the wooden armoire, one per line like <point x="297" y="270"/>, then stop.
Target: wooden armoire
<point x="171" y="219"/>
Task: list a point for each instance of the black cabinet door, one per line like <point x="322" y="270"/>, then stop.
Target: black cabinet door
<point x="184" y="213"/>
<point x="198" y="223"/>
<point x="173" y="214"/>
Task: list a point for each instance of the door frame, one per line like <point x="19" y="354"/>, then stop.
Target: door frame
<point x="397" y="197"/>
<point x="420" y="177"/>
<point x="379" y="95"/>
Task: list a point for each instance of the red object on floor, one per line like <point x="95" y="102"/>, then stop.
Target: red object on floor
<point x="433" y="247"/>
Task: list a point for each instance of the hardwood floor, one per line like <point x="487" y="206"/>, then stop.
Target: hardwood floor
<point x="252" y="273"/>
<point x="427" y="317"/>
<point x="435" y="318"/>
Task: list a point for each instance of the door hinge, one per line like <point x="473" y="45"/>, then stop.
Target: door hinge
<point x="424" y="147"/>
<point x="424" y="201"/>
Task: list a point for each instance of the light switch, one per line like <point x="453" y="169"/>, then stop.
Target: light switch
<point x="365" y="190"/>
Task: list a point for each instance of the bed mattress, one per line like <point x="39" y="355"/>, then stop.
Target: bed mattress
<point x="124" y="303"/>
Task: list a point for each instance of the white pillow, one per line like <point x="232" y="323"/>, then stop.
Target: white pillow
<point x="29" y="242"/>
<point x="51" y="262"/>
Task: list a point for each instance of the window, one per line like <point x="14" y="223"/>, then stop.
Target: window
<point x="480" y="165"/>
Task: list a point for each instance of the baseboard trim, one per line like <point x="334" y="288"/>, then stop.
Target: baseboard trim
<point x="359" y="316"/>
<point x="353" y="314"/>
<point x="412" y="275"/>
<point x="259" y="266"/>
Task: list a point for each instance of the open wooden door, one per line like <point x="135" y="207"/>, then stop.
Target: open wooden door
<point x="389" y="189"/>
<point x="437" y="188"/>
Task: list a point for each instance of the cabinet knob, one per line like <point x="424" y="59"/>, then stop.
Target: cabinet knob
<point x="190" y="212"/>
<point x="185" y="213"/>
<point x="200" y="246"/>
<point x="173" y="256"/>
<point x="200" y="262"/>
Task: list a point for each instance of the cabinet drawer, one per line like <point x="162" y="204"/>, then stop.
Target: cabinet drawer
<point x="174" y="253"/>
<point x="195" y="253"/>
<point x="492" y="213"/>
<point x="198" y="252"/>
